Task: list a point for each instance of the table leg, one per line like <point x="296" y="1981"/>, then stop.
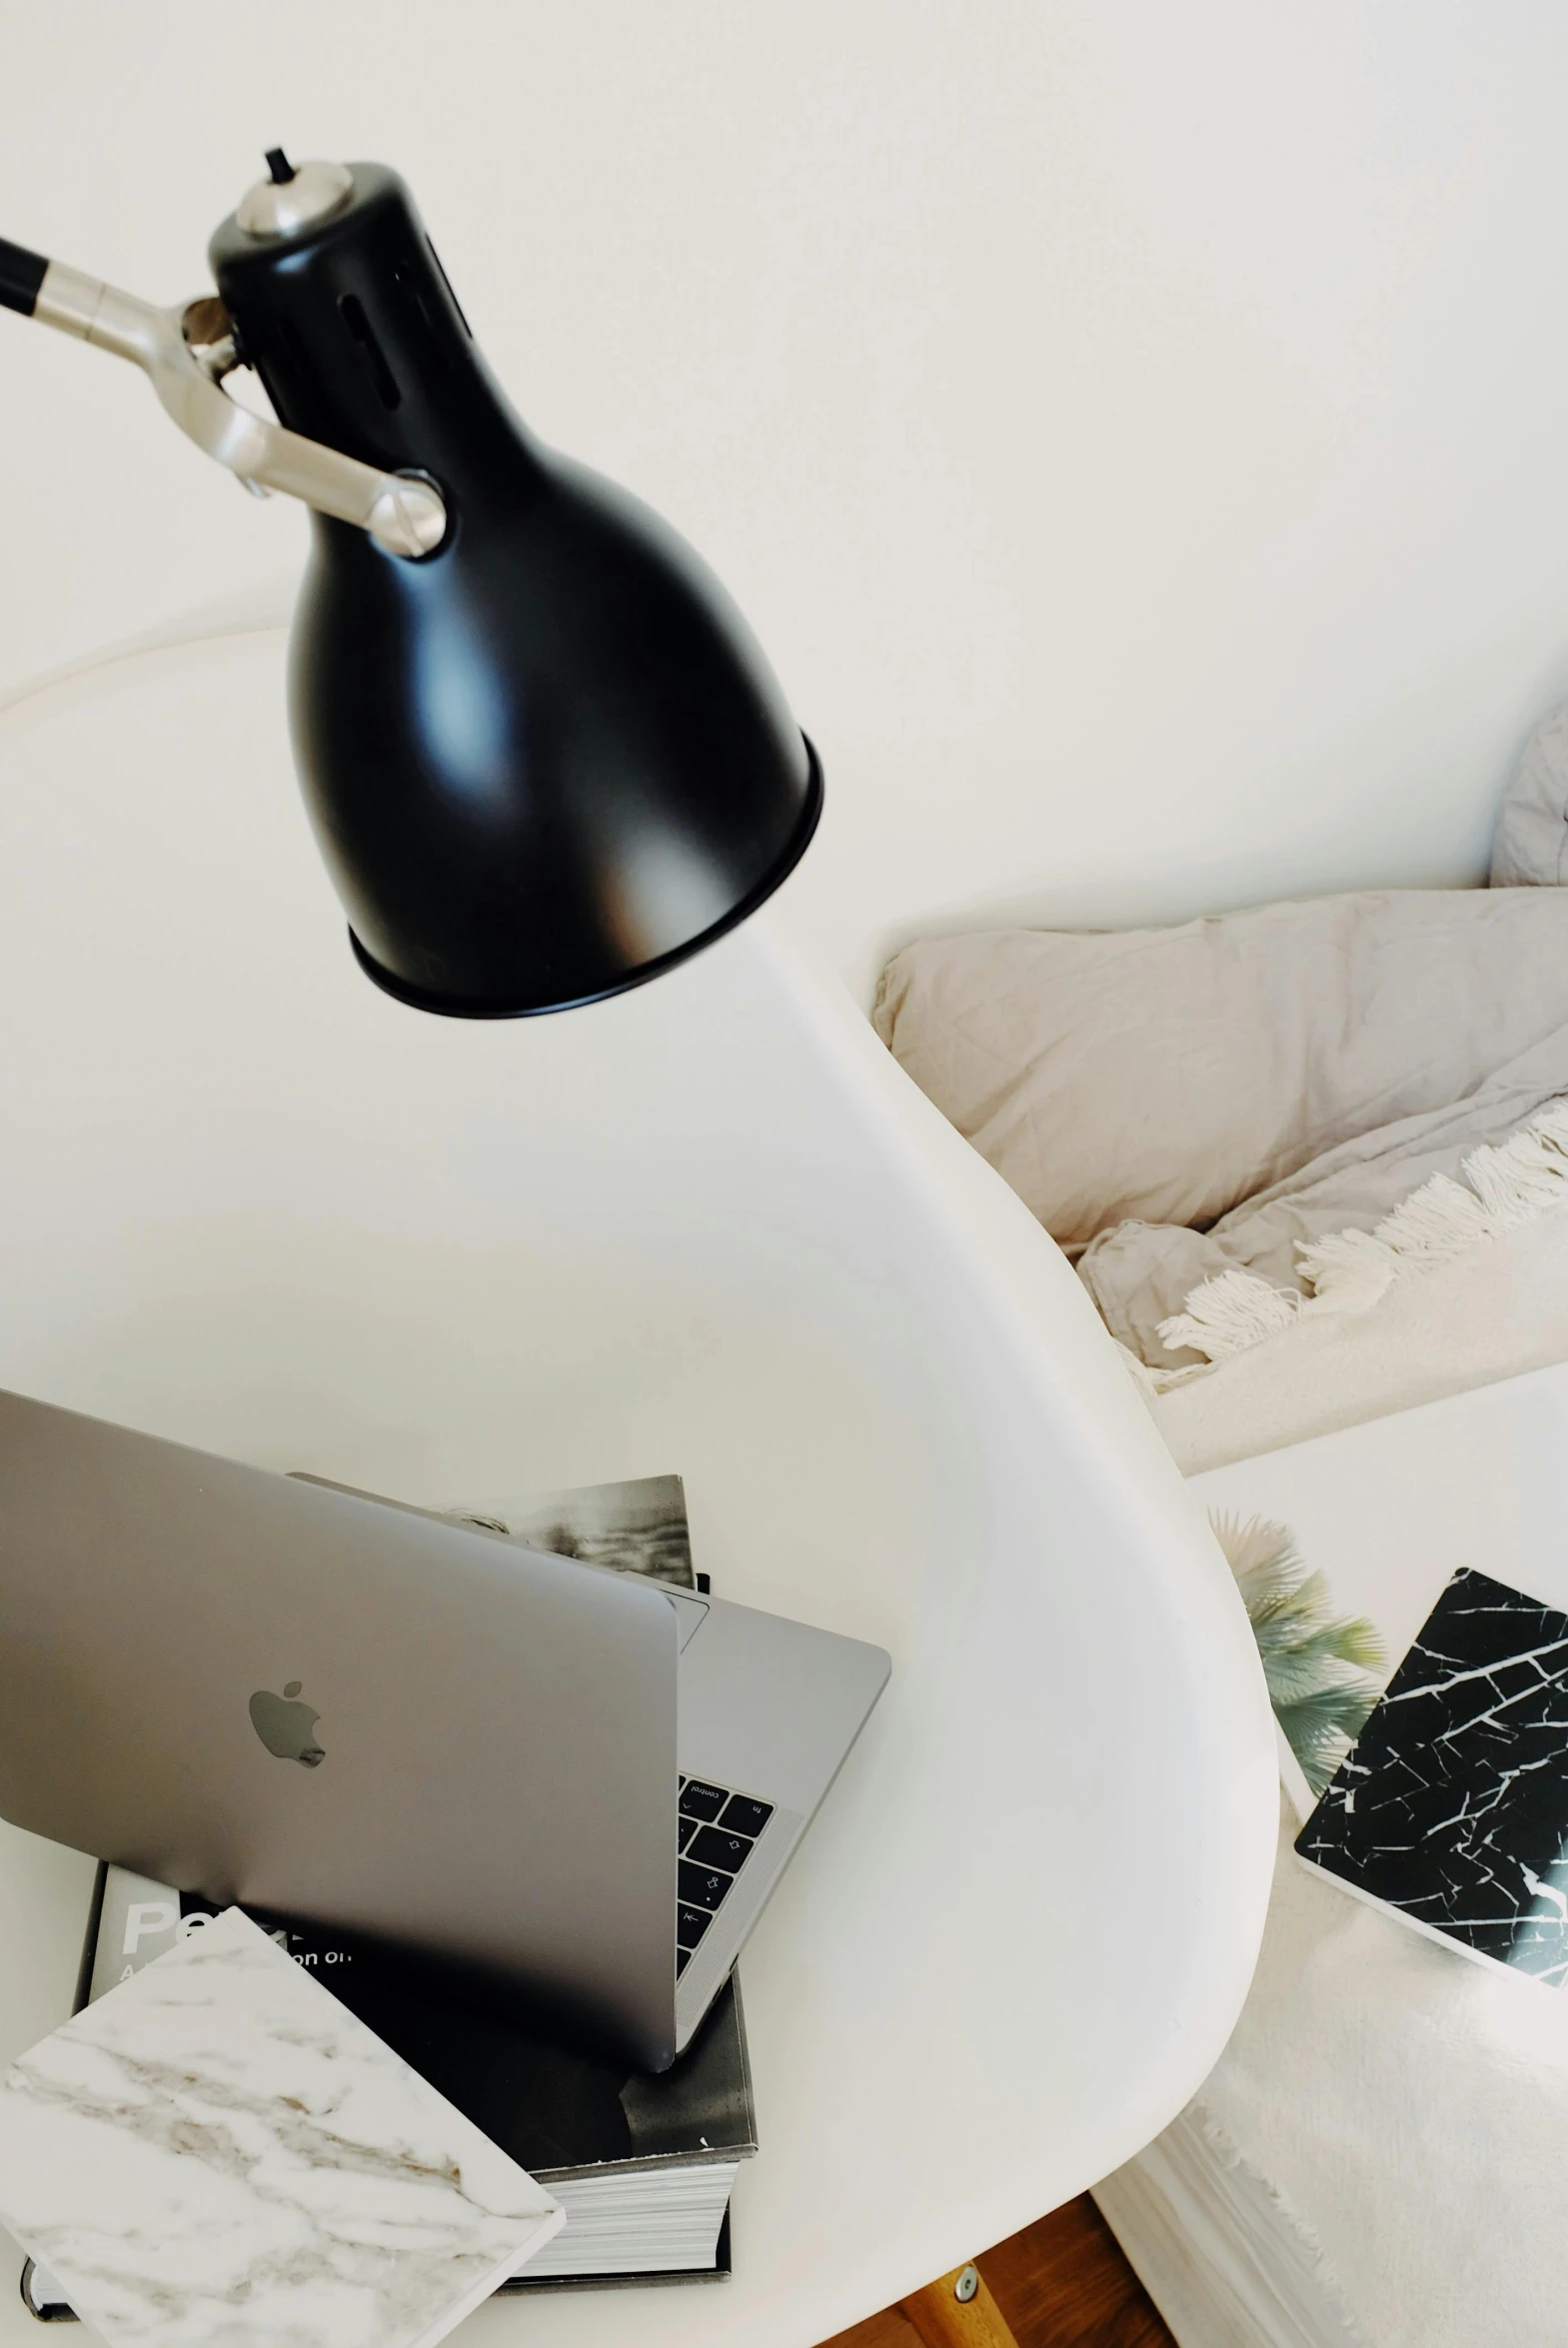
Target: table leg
<point x="957" y="2311"/>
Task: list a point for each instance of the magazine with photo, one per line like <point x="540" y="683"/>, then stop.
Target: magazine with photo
<point x="638" y="1527"/>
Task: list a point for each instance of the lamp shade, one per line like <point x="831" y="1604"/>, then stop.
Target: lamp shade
<point x="547" y="759"/>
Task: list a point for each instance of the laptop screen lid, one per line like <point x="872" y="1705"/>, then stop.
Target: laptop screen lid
<point x="271" y="1691"/>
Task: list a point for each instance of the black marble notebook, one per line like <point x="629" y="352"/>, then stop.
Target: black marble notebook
<point x="1451" y="1807"/>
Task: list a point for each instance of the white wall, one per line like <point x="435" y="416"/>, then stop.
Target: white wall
<point x="1139" y="433"/>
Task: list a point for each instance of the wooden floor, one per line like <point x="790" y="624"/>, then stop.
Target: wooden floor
<point x="1061" y="2283"/>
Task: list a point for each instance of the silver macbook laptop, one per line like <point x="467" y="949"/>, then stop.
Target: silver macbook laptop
<point x="267" y="1689"/>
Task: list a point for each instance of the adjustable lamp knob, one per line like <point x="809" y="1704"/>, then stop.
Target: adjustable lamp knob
<point x="290" y="197"/>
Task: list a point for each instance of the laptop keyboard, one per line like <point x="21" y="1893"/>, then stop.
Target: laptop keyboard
<point x="719" y="1831"/>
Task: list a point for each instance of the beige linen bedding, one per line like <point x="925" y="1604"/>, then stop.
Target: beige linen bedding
<point x="1174" y="1103"/>
<point x="1530" y="846"/>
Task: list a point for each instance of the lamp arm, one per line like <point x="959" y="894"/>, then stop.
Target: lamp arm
<point x="185" y="353"/>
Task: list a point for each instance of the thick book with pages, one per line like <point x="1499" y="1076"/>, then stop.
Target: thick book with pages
<point x="642" y="2165"/>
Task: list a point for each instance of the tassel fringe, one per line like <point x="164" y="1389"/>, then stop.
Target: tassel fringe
<point x="1513" y="1182"/>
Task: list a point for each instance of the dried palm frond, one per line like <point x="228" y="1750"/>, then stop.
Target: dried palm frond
<point x="1316" y="1666"/>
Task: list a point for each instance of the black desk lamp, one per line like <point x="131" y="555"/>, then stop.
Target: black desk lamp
<point x="543" y="753"/>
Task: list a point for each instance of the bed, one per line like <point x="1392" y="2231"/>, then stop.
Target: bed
<point x="1312" y="1162"/>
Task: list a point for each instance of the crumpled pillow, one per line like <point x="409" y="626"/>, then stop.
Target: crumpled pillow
<point x="1530" y="845"/>
<point x="1164" y="1075"/>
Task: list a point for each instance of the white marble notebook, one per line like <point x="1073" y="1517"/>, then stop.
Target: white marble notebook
<point x="218" y="2154"/>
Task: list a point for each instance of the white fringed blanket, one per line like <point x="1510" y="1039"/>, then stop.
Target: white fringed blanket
<point x="1470" y="1314"/>
<point x="1500" y="1189"/>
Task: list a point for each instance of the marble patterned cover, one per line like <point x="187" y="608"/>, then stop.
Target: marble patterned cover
<point x="1452" y="1805"/>
<point x="218" y="2154"/>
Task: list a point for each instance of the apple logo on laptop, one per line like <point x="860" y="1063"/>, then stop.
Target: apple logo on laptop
<point x="285" y="1728"/>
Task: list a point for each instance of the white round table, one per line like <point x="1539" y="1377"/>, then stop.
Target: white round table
<point x="247" y="1201"/>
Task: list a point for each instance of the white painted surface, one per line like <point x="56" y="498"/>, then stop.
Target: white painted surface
<point x="247" y="1201"/>
<point x="1136" y="432"/>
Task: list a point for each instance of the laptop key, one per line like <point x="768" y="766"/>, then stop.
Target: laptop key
<point x="690" y="1924"/>
<point x="682" y="1959"/>
<point x="704" y="1887"/>
<point x="701" y="1800"/>
<point x="713" y="1848"/>
<point x="745" y="1816"/>
<point x="687" y="1828"/>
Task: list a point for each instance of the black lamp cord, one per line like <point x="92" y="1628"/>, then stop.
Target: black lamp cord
<point x="21" y="275"/>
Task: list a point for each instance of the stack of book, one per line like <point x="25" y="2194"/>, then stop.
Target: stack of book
<point x="642" y="2165"/>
